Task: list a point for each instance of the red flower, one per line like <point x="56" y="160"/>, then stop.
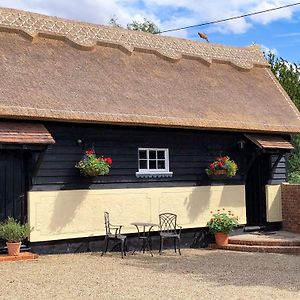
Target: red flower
<point x="220" y="163"/>
<point x="211" y="166"/>
<point x="89" y="152"/>
<point x="108" y="160"/>
<point x="224" y="158"/>
<point x="216" y="158"/>
<point x="100" y="158"/>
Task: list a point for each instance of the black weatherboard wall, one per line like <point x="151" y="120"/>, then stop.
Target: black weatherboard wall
<point x="190" y="153"/>
<point x="280" y="170"/>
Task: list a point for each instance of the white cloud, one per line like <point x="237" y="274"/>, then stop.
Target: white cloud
<point x="271" y="16"/>
<point x="234" y="26"/>
<point x="165" y="13"/>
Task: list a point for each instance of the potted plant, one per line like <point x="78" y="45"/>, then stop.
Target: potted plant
<point x="220" y="224"/>
<point x="13" y="232"/>
<point x="222" y="166"/>
<point x="91" y="165"/>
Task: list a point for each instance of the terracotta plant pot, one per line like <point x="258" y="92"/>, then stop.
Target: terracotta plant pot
<point x="221" y="238"/>
<point x="13" y="248"/>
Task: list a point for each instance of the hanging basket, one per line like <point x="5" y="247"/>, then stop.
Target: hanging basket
<point x="220" y="172"/>
<point x="94" y="173"/>
<point x="222" y="166"/>
<point x="90" y="173"/>
<point x="91" y="165"/>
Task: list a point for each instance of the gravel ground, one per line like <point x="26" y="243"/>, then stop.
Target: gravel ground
<point x="197" y="274"/>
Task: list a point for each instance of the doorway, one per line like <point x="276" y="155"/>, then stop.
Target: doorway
<point x="257" y="178"/>
<point x="13" y="183"/>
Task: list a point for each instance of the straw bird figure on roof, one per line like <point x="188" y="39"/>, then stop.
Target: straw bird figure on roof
<point x="203" y="36"/>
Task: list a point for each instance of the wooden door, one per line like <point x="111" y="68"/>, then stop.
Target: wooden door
<point x="12" y="185"/>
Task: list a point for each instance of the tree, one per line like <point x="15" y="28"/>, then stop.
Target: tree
<point x="288" y="74"/>
<point x="145" y="26"/>
<point x="114" y="22"/>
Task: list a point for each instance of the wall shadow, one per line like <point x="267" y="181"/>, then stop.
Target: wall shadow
<point x="59" y="220"/>
<point x="195" y="205"/>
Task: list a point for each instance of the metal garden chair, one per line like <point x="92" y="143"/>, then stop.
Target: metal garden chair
<point x="113" y="232"/>
<point x="169" y="229"/>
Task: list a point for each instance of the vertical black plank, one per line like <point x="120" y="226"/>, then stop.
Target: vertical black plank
<point x="3" y="173"/>
<point x="12" y="185"/>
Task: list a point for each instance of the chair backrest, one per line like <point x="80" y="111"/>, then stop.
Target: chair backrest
<point x="106" y="222"/>
<point x="167" y="222"/>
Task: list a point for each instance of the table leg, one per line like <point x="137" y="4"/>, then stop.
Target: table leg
<point x="138" y="240"/>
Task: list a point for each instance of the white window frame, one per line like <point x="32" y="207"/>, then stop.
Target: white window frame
<point x="154" y="172"/>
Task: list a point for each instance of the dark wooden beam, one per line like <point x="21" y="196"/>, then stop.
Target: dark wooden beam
<point x="37" y="165"/>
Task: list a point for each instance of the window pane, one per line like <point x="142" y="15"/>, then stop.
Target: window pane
<point x="152" y="154"/>
<point x="160" y="154"/>
<point x="143" y="154"/>
<point x="152" y="164"/>
<point x="143" y="164"/>
<point x="161" y="164"/>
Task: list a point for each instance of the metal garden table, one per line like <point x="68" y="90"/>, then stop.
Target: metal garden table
<point x="144" y="236"/>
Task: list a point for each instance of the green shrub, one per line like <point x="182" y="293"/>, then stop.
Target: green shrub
<point x="13" y="231"/>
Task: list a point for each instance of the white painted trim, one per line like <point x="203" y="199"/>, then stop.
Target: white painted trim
<point x="149" y="171"/>
<point x="153" y="174"/>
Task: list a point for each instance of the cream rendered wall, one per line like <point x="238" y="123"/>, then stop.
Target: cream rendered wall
<point x="58" y="215"/>
<point x="273" y="203"/>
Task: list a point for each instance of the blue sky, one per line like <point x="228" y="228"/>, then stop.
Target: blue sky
<point x="278" y="31"/>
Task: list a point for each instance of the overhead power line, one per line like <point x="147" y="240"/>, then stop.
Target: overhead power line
<point x="231" y="18"/>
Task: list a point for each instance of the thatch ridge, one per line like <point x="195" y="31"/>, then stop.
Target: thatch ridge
<point x="87" y="36"/>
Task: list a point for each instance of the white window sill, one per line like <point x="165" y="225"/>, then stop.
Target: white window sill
<point x="153" y="174"/>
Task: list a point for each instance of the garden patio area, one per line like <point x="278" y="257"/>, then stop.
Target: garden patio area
<point x="197" y="274"/>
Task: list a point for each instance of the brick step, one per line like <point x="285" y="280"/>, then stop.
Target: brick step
<point x="257" y="248"/>
<point x="273" y="242"/>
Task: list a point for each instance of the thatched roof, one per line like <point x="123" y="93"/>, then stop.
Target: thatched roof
<point x="135" y="78"/>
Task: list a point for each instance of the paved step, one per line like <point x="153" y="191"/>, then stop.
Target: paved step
<point x="270" y="242"/>
<point x="257" y="248"/>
